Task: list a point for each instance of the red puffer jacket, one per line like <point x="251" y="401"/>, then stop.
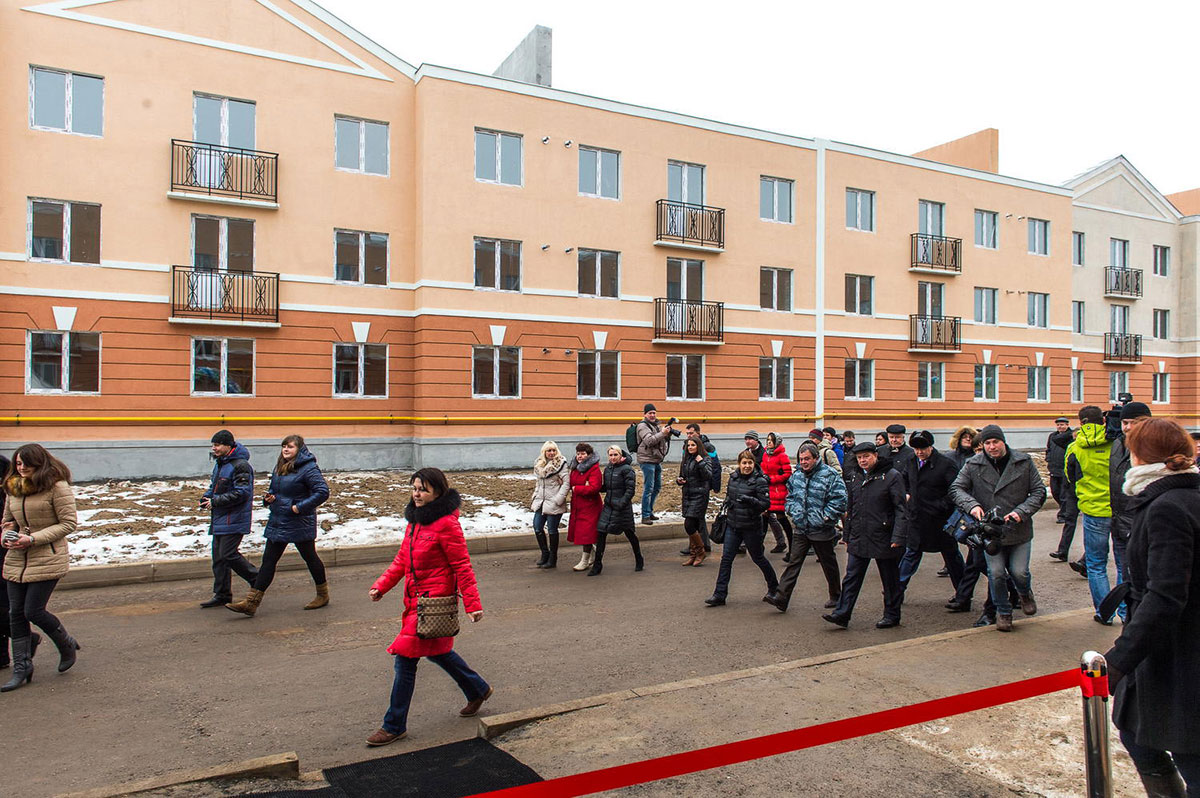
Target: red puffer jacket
<point x="440" y="563"/>
<point x="777" y="468"/>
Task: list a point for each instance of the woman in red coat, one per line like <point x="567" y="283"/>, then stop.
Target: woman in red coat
<point x="777" y="468"/>
<point x="433" y="557"/>
<point x="586" y="503"/>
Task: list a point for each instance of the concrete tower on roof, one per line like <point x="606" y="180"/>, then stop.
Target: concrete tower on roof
<point x="530" y="61"/>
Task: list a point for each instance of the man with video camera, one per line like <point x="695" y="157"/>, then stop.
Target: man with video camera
<point x="1007" y="481"/>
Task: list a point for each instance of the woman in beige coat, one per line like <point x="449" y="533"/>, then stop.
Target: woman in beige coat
<point x="549" y="501"/>
<point x="38" y="516"/>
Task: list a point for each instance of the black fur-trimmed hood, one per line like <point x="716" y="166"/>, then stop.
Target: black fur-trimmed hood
<point x="440" y="507"/>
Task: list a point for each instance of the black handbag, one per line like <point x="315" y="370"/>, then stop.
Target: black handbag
<point x="716" y="531"/>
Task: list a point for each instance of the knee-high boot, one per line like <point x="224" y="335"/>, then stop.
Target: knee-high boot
<point x="541" y="541"/>
<point x="638" y="562"/>
<point x="67" y="646"/>
<point x="22" y="664"/>
<point x="552" y="559"/>
<point x="598" y="558"/>
<point x="695" y="549"/>
<point x="1165" y="785"/>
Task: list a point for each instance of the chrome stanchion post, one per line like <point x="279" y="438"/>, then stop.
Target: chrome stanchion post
<point x="1094" y="683"/>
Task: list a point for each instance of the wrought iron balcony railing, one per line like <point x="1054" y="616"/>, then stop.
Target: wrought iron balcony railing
<point x="936" y="252"/>
<point x="689" y="320"/>
<point x="1122" y="348"/>
<point x="224" y="171"/>
<point x="694" y="225"/>
<point x="228" y="296"/>
<point x="1122" y="282"/>
<point x="934" y="333"/>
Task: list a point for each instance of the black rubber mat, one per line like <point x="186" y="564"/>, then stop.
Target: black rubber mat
<point x="445" y="771"/>
<point x="322" y="792"/>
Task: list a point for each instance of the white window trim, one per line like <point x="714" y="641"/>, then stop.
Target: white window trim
<point x="578" y="252"/>
<point x="1046" y="223"/>
<point x="362" y="257"/>
<point x="683" y="377"/>
<point x="683" y="179"/>
<point x="498" y="133"/>
<point x="387" y="370"/>
<point x="1040" y="308"/>
<point x="857" y="294"/>
<point x="520" y="266"/>
<point x="995" y="228"/>
<point x="362" y="145"/>
<point x="775" y="289"/>
<point x="66" y="231"/>
<point x="223" y="240"/>
<point x="225" y="100"/>
<point x="1165" y="315"/>
<point x="1080" y="316"/>
<point x="791" y="381"/>
<point x="68" y="117"/>
<point x="496" y="372"/>
<point x="995" y="306"/>
<point x="1032" y="399"/>
<point x="942" y="369"/>
<point x="791" y="187"/>
<point x="66" y="364"/>
<point x="585" y="397"/>
<point x="1166" y="272"/>
<point x="858" y="210"/>
<point x="1165" y="379"/>
<point x="1113" y="389"/>
<point x="224" y="368"/>
<point x="1075" y="399"/>
<point x="860" y="361"/>
<point x="599" y="171"/>
<point x="995" y="370"/>
<point x="1082" y="238"/>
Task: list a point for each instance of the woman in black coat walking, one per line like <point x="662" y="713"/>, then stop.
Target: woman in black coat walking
<point x="746" y="499"/>
<point x="695" y="480"/>
<point x="1152" y="664"/>
<point x="616" y="517"/>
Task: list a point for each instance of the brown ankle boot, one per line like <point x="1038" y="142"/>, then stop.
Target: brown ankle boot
<point x="322" y="597"/>
<point x="248" y="605"/>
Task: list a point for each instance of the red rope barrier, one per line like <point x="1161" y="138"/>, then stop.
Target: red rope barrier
<point x="716" y="756"/>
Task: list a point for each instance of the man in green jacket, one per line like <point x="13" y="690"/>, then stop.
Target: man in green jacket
<point x="1087" y="471"/>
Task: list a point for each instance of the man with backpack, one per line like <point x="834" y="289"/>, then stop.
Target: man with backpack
<point x="652" y="442"/>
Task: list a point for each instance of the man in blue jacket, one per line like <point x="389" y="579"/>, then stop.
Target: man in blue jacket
<point x="229" y="497"/>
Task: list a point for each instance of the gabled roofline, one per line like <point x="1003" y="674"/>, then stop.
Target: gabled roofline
<point x="1145" y="186"/>
<point x="358" y="37"/>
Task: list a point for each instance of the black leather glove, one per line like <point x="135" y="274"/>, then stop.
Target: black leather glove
<point x="745" y="500"/>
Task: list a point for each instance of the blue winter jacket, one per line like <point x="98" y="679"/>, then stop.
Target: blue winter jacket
<point x="232" y="493"/>
<point x="303" y="488"/>
<point x="816" y="501"/>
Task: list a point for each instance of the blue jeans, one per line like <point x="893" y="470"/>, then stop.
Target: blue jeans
<point x="549" y="523"/>
<point x="753" y="540"/>
<point x="651" y="486"/>
<point x="1013" y="562"/>
<point x="1096" y="533"/>
<point x="470" y="682"/>
<point x="1153" y="762"/>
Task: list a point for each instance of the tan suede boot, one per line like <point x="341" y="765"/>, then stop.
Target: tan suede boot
<point x="248" y="605"/>
<point x="322" y="597"/>
<point x="693" y="544"/>
<point x="700" y="555"/>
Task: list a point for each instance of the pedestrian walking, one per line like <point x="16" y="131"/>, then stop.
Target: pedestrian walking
<point x="929" y="475"/>
<point x="898" y="452"/>
<point x="746" y="499"/>
<point x="35" y="638"/>
<point x="653" y="443"/>
<point x="1056" y="461"/>
<point x="616" y="516"/>
<point x="1151" y="666"/>
<point x="433" y="562"/>
<point x="586" y="503"/>
<point x="1119" y="463"/>
<point x="816" y="500"/>
<point x="38" y="516"/>
<point x="754" y="446"/>
<point x="230" y="498"/>
<point x="1088" y="471"/>
<point x="296" y="490"/>
<point x="1068" y="509"/>
<point x="553" y="482"/>
<point x="693" y="431"/>
<point x="834" y="441"/>
<point x="826" y="454"/>
<point x="961" y="449"/>
<point x="777" y="468"/>
<point x="695" y="482"/>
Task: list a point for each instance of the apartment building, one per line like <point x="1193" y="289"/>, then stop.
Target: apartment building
<point x="260" y="219"/>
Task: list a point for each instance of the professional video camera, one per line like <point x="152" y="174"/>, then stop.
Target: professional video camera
<point x="1112" y="418"/>
<point x="983" y="534"/>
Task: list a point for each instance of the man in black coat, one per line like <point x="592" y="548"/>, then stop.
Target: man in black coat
<point x="1064" y="493"/>
<point x="897" y="452"/>
<point x="929" y="475"/>
<point x="1056" y="461"/>
<point x="875" y="530"/>
<point x="1118" y="466"/>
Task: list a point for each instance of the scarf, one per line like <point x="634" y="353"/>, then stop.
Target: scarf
<point x="583" y="467"/>
<point x="1138" y="478"/>
<point x="544" y="468"/>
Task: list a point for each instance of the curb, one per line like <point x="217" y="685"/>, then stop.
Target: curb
<point x="495" y="725"/>
<point x="88" y="576"/>
<point x="276" y="766"/>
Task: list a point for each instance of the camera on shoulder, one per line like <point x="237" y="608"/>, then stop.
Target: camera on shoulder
<point x="985" y="534"/>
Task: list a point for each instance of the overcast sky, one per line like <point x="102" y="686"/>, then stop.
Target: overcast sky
<point x="1069" y="84"/>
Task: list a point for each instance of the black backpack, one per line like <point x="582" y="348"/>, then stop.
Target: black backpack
<point x="631" y="441"/>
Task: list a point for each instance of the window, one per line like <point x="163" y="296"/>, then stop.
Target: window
<point x="599" y="273"/>
<point x="361" y="146"/>
<point x="220" y="244"/>
<point x="599" y="171"/>
<point x="1162" y="261"/>
<point x="1076" y="385"/>
<point x="1077" y="316"/>
<point x="1162" y="323"/>
<point x="498" y="158"/>
<point x="1038" y="383"/>
<point x="1039" y="309"/>
<point x="860" y="378"/>
<point x="775" y="199"/>
<point x="66" y="101"/>
<point x="930" y="298"/>
<point x="987" y="382"/>
<point x="360" y="257"/>
<point x="685" y="376"/>
<point x="64" y="231"/>
<point x="62" y="362"/>
<point x="598" y="374"/>
<point x="775" y="378"/>
<point x="1118" y="319"/>
<point x="931" y="377"/>
<point x="931" y="218"/>
<point x="1118" y="383"/>
<point x="860" y="294"/>
<point x="1039" y="237"/>
<point x="685" y="279"/>
<point x="685" y="182"/>
<point x="1161" y="389"/>
<point x="223" y="366"/>
<point x="1118" y="253"/>
<point x="775" y="289"/>
<point x="360" y="370"/>
<point x="498" y="264"/>
<point x="860" y="210"/>
<point x="985" y="305"/>
<point x="1077" y="248"/>
<point x="496" y="372"/>
<point x="222" y="121"/>
<point x="985" y="229"/>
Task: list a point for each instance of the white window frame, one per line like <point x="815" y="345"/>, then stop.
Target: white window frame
<point x="683" y="377"/>
<point x="65" y="361"/>
<point x="860" y="193"/>
<point x="66" y="231"/>
<point x="774" y="271"/>
<point x="362" y="257"/>
<point x="984" y="369"/>
<point x="1078" y="242"/>
<point x="858" y="278"/>
<point x="1162" y="324"/>
<point x="1118" y="253"/>
<point x="1121" y="314"/>
<point x="1118" y="383"/>
<point x="1037" y="383"/>
<point x="1078" y="316"/>
<point x="1039" y="232"/>
<point x="68" y="116"/>
<point x="599" y="275"/>
<point x="1161" y="388"/>
<point x="775" y="363"/>
<point x="860" y="363"/>
<point x="223" y="240"/>
<point x="496" y="372"/>
<point x="982" y="308"/>
<point x="362" y="376"/>
<point x="498" y="149"/>
<point x="994" y="219"/>
<point x="927" y="370"/>
<point x="497" y="273"/>
<point x="1162" y="261"/>
<point x="362" y="145"/>
<point x="224" y="379"/>
<point x="1076" y="386"/>
<point x="1038" y="309"/>
<point x="599" y="170"/>
<point x="778" y="184"/>
<point x="594" y="397"/>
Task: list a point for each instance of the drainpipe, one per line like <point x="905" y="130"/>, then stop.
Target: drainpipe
<point x="819" y="286"/>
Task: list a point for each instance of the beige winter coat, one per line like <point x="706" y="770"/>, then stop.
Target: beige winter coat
<point x="49" y="517"/>
<point x="550" y="492"/>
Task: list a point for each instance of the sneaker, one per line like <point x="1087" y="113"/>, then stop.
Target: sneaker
<point x="383" y="737"/>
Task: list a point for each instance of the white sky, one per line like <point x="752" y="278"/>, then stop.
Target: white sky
<point x="1069" y="84"/>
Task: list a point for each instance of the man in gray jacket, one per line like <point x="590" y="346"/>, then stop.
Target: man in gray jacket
<point x="1005" y="480"/>
<point x="653" y="443"/>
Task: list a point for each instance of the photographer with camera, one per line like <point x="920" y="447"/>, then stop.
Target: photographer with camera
<point x="653" y="443"/>
<point x="1007" y="480"/>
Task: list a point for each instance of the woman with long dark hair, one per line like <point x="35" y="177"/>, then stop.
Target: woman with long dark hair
<point x="38" y="516"/>
<point x="297" y="489"/>
<point x="695" y="481"/>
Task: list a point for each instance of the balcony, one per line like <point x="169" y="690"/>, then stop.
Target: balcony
<point x="212" y="173"/>
<point x="687" y="226"/>
<point x="688" y="321"/>
<point x="1123" y="283"/>
<point x="1122" y="348"/>
<point x="934" y="334"/>
<point x="936" y="254"/>
<point x="202" y="296"/>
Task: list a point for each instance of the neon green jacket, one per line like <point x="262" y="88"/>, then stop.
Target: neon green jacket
<point x="1087" y="469"/>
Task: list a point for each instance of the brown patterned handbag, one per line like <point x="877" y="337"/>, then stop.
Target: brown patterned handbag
<point x="437" y="616"/>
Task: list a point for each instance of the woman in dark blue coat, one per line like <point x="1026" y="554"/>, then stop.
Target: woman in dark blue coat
<point x="297" y="489"/>
<point x="616" y="516"/>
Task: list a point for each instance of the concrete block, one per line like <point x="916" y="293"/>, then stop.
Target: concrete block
<point x="190" y="568"/>
<point x="276" y="766"/>
<point x="493" y="725"/>
<point x="363" y="555"/>
<point x="521" y="542"/>
<point x="477" y="545"/>
<point x="105" y="575"/>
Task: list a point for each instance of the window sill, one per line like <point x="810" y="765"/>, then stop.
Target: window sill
<point x="582" y="194"/>
<point x="219" y="200"/>
<point x="859" y="398"/>
<point x="217" y="395"/>
<point x="693" y="247"/>
<point x="683" y="399"/>
<point x="267" y="325"/>
<point x="491" y="396"/>
<point x="499" y="183"/>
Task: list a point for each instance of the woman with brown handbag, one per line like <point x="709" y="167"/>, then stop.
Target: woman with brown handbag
<point x="435" y="566"/>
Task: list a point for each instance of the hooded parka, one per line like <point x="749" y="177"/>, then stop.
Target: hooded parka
<point x="303" y="488"/>
<point x="231" y="493"/>
<point x="550" y="490"/>
<point x="618" y="486"/>
<point x="776" y="467"/>
<point x="586" y="502"/>
<point x="1088" y="470"/>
